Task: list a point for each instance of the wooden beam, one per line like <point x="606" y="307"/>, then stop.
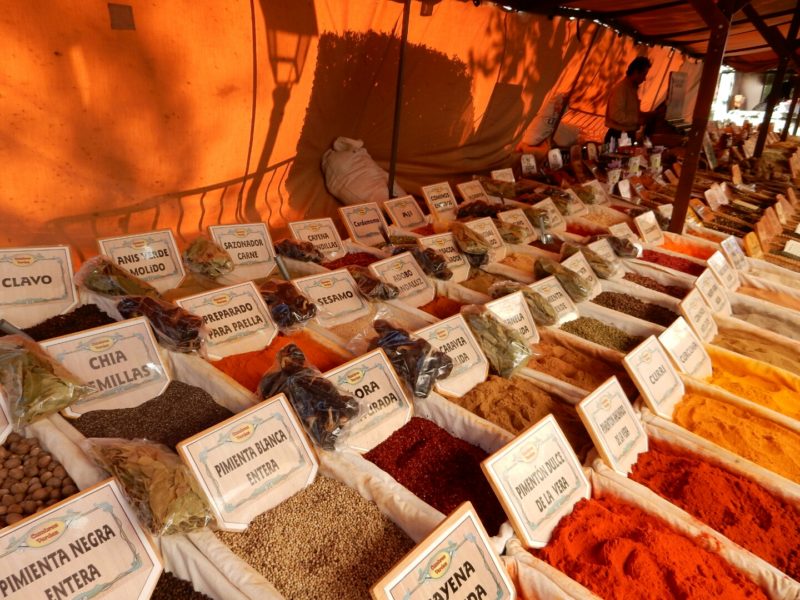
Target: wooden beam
<point x="792" y="106"/>
<point x="773" y="36"/>
<point x="711" y="14"/>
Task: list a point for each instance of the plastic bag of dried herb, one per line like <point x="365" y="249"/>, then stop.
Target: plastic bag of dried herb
<point x="35" y="385"/>
<point x="100" y="275"/>
<point x="304" y="251"/>
<point x="605" y="269"/>
<point x="505" y="349"/>
<point x="471" y="243"/>
<point x="161" y="489"/>
<point x="541" y="310"/>
<point x="175" y="327"/>
<point x="576" y="286"/>
<point x="205" y="257"/>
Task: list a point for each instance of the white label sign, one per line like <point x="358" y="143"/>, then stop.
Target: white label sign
<point x="658" y="382"/>
<point x="599" y="193"/>
<point x="405" y="273"/>
<point x="624" y="187"/>
<point x="364" y="222"/>
<point x="488" y="230"/>
<point x="88" y="546"/>
<point x="613" y="176"/>
<point x="557" y="222"/>
<point x="713" y="292"/>
<point x="614" y="428"/>
<point x="514" y="312"/>
<point x="736" y="174"/>
<point x="602" y="248"/>
<point x="634" y="165"/>
<point x="578" y="263"/>
<point x="686" y="349"/>
<point x="671" y="177"/>
<point x="384" y="405"/>
<point x="648" y="227"/>
<point x="723" y="270"/>
<point x="528" y="163"/>
<point x="35" y="284"/>
<point x="445" y="244"/>
<point x="441" y="201"/>
<point x="503" y="175"/>
<point x="517" y="217"/>
<point x="250" y="247"/>
<point x="405" y="212"/>
<point x="236" y="317"/>
<point x="322" y="234"/>
<point x="453" y="337"/>
<point x="551" y="289"/>
<point x="472" y="191"/>
<point x="554" y="159"/>
<point x="456" y="561"/>
<point x="251" y="462"/>
<point x="5" y="418"/>
<point x="734" y="252"/>
<point x="655" y="163"/>
<point x="696" y="312"/>
<point x="336" y="296"/>
<point x="623" y="230"/>
<point x="538" y="479"/>
<point x="120" y="362"/>
<point x="792" y="247"/>
<point x="152" y="257"/>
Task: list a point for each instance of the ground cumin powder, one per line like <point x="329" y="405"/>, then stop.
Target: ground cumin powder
<point x="729" y="502"/>
<point x="620" y="552"/>
<point x="760" y="440"/>
<point x="759" y="346"/>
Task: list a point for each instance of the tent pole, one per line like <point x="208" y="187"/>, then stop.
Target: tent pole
<point x="719" y="24"/>
<point x="398" y="97"/>
<point x="792" y="107"/>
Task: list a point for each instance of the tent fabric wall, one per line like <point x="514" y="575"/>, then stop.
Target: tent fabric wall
<point x="220" y="112"/>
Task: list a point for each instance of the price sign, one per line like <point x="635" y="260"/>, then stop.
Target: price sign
<point x="250" y="247"/>
<point x="87" y="545"/>
<point x="671" y="177"/>
<point x="514" y="312"/>
<point x="554" y="159"/>
<point x="624" y="187"/>
<point x="251" y="462"/>
<point x="736" y="174"/>
<point x="405" y="273"/>
<point x="696" y="312"/>
<point x="237" y="318"/>
<point x="528" y="164"/>
<point x="384" y="405"/>
<point x="634" y="165"/>
<point x="732" y="249"/>
<point x="441" y="201"/>
<point x="405" y="212"/>
<point x="713" y="293"/>
<point x="517" y="217"/>
<point x="364" y="222"/>
<point x="578" y="263"/>
<point x="591" y="151"/>
<point x="445" y="244"/>
<point x="686" y="349"/>
<point x="655" y="163"/>
<point x="649" y="229"/>
<point x="723" y="270"/>
<point x="472" y="191"/>
<point x="613" y="176"/>
<point x="623" y="230"/>
<point x="602" y="248"/>
<point x="35" y="284"/>
<point x="322" y="234"/>
<point x="503" y="175"/>
<point x="336" y="296"/>
<point x="655" y="377"/>
<point x="456" y="558"/>
<point x="615" y="430"/>
<point x="551" y="289"/>
<point x="538" y="480"/>
<point x="488" y="230"/>
<point x="792" y="247"/>
<point x="666" y="211"/>
<point x="120" y="362"/>
<point x="557" y="222"/>
<point x="152" y="257"/>
<point x="453" y="337"/>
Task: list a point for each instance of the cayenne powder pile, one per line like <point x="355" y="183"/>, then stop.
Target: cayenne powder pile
<point x="442" y="307"/>
<point x="362" y="259"/>
<point x="619" y="552"/>
<point x="734" y="505"/>
<point x="442" y="470"/>
<point x="643" y="280"/>
<point x="685" y="247"/>
<point x="673" y="262"/>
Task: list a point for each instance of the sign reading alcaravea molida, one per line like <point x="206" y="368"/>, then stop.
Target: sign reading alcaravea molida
<point x="152" y="257"/>
<point x="120" y="362"/>
<point x="251" y="462"/>
<point x="335" y="295"/>
<point x="538" y="479"/>
<point x="384" y="407"/>
<point x="405" y="273"/>
<point x="236" y="317"/>
<point x="35" y="284"/>
<point x="322" y="234"/>
<point x="364" y="222"/>
<point x="91" y="545"/>
<point x="250" y="248"/>
<point x="654" y="376"/>
<point x="455" y="562"/>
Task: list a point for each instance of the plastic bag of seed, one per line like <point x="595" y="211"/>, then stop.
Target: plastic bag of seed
<point x="35" y="386"/>
<point x="471" y="243"/>
<point x="290" y="309"/>
<point x="101" y="276"/>
<point x="324" y="411"/>
<point x="433" y="263"/>
<point x="204" y="257"/>
<point x="417" y="363"/>
<point x="541" y="310"/>
<point x="505" y="349"/>
<point x="372" y="288"/>
<point x="303" y="251"/>
<point x="576" y="286"/>
<point x="175" y="327"/>
<point x="623" y="247"/>
<point x="160" y="488"/>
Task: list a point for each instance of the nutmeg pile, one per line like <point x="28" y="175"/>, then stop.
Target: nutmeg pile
<point x="30" y="479"/>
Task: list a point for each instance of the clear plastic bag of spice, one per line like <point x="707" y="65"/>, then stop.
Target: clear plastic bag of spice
<point x="35" y="386"/>
<point x="175" y="327"/>
<point x="433" y="263"/>
<point x="541" y="310"/>
<point x="324" y="411"/>
<point x="505" y="348"/>
<point x="290" y="309"/>
<point x="576" y="286"/>
<point x="372" y="288"/>
<point x="159" y="487"/>
<point x="605" y="269"/>
<point x="303" y="251"/>
<point x="206" y="258"/>
<point x="101" y="276"/>
<point x="471" y="243"/>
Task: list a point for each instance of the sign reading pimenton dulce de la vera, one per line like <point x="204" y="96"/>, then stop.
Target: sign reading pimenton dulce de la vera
<point x="236" y="317"/>
<point x="513" y="310"/>
<point x="538" y="479"/>
<point x="364" y="222"/>
<point x="250" y="247"/>
<point x="251" y="462"/>
<point x="441" y="201"/>
<point x="405" y="212"/>
<point x="35" y="284"/>
<point x="686" y="349"/>
<point x="120" y="362"/>
<point x="453" y="337"/>
<point x="336" y="296"/>
<point x="384" y="407"/>
<point x="615" y="430"/>
<point x="90" y="545"/>
<point x="152" y="257"/>
<point x="456" y="561"/>
<point x="445" y="244"/>
<point x="322" y="234"/>
<point x="654" y="376"/>
<point x="404" y="272"/>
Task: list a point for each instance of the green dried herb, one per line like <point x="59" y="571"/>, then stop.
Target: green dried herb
<point x="206" y="258"/>
<point x="505" y="348"/>
<point x="576" y="286"/>
<point x="605" y="269"/>
<point x="511" y="233"/>
<point x="541" y="310"/>
<point x="100" y="275"/>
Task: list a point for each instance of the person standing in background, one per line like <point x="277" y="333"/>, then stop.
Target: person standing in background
<point x="622" y="110"/>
